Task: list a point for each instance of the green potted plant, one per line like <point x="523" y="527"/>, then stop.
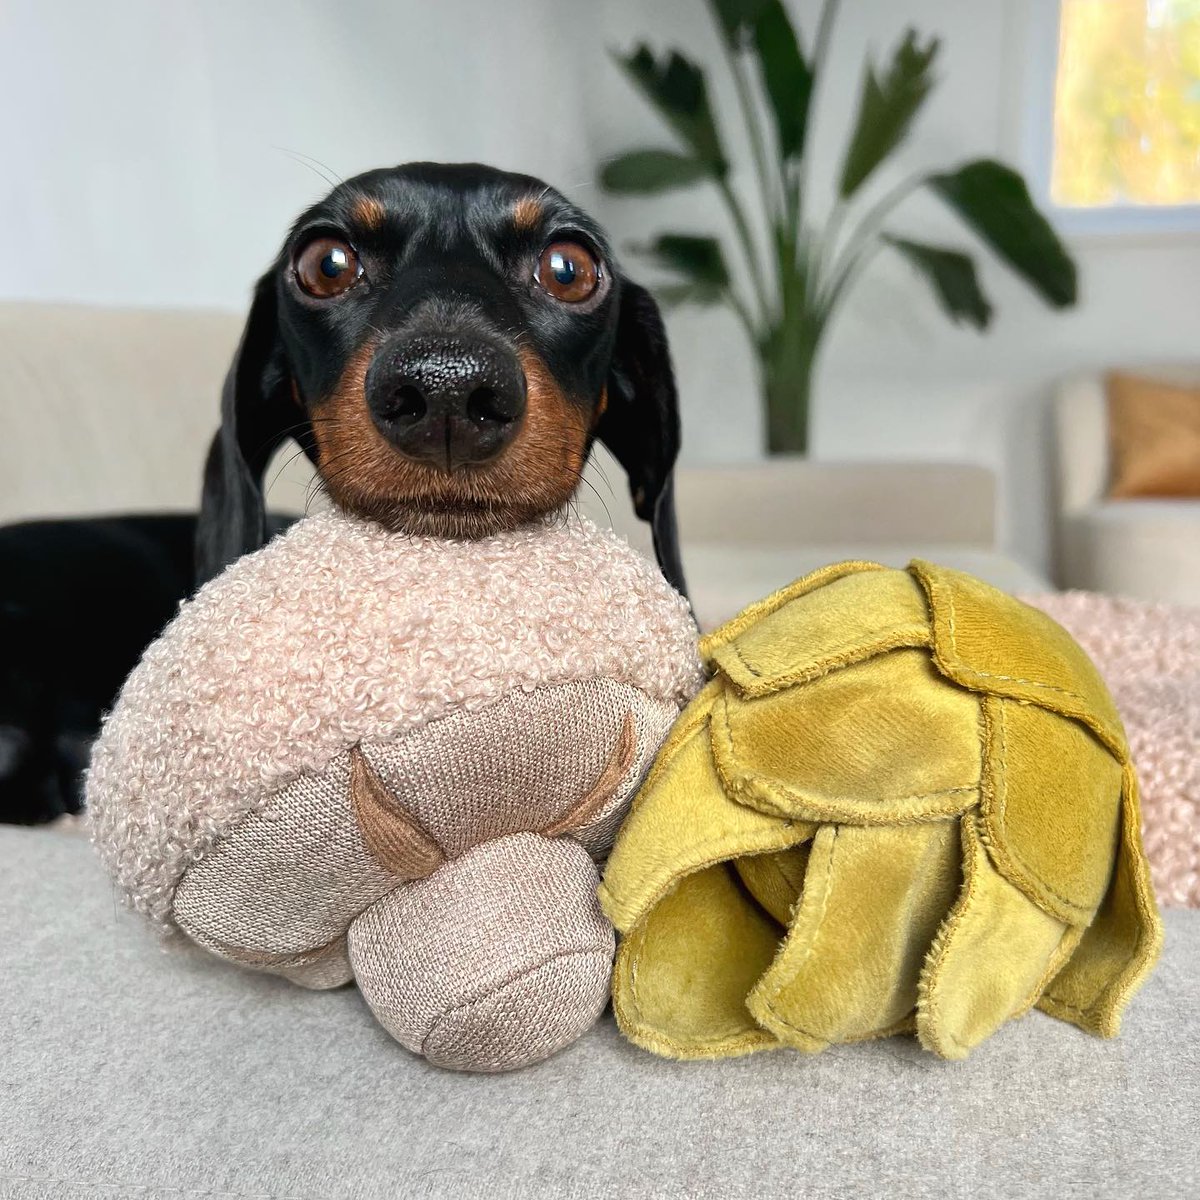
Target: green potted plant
<point x="798" y="281"/>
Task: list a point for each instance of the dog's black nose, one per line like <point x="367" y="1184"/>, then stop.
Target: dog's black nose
<point x="446" y="400"/>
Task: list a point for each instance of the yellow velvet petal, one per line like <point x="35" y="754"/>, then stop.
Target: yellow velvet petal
<point x="844" y="615"/>
<point x="1121" y="945"/>
<point x="878" y="742"/>
<point x="991" y="959"/>
<point x="683" y="821"/>
<point x="872" y="902"/>
<point x="1051" y="807"/>
<point x="753" y="614"/>
<point x="682" y="974"/>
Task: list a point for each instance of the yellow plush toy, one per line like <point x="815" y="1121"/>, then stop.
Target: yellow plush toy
<point x="903" y="802"/>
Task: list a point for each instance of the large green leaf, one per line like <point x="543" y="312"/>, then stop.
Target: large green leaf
<point x="953" y="277"/>
<point x="698" y="258"/>
<point x="787" y="75"/>
<point x="995" y="202"/>
<point x="886" y="109"/>
<point x="652" y="171"/>
<point x="676" y="87"/>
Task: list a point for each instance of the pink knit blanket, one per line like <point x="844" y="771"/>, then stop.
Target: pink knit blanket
<point x="1149" y="655"/>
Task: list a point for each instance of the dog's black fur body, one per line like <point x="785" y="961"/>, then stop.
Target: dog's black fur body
<point x="79" y="602"/>
<point x="448" y="256"/>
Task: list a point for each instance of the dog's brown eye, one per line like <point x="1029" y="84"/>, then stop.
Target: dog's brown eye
<point x="568" y="271"/>
<point x="326" y="267"/>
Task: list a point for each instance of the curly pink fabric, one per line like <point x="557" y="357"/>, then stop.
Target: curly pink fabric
<point x="339" y="632"/>
<point x="1149" y="655"/>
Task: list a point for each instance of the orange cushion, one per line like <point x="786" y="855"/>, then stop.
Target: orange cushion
<point x="1154" y="435"/>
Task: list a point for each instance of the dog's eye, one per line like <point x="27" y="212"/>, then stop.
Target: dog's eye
<point x="327" y="267"/>
<point x="568" y="271"/>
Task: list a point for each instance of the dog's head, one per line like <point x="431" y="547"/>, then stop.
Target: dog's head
<point x="445" y="342"/>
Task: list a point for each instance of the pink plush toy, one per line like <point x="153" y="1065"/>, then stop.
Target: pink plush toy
<point x="363" y="756"/>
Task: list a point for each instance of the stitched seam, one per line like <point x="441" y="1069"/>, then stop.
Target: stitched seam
<point x="929" y="990"/>
<point x="808" y="950"/>
<point x="654" y="1038"/>
<point x="1055" y="1002"/>
<point x="769" y="605"/>
<point x="690" y="721"/>
<point x="499" y="987"/>
<point x="1146" y="910"/>
<point x="719" y="851"/>
<point x="845" y="655"/>
<point x="1008" y="850"/>
<point x="958" y="662"/>
<point x="747" y="783"/>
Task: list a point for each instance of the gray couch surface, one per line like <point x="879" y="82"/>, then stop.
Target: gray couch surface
<point x="127" y="1071"/>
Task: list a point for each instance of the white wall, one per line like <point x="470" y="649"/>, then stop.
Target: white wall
<point x="146" y="142"/>
<point x="145" y="148"/>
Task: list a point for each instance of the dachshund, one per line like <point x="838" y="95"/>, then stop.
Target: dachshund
<point x="446" y="343"/>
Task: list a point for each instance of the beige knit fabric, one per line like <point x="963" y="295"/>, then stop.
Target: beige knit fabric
<point x="523" y="763"/>
<point x="498" y="959"/>
<point x="287" y="881"/>
<point x="339" y="633"/>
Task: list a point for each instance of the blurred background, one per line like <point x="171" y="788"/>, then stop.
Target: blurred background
<point x="156" y="151"/>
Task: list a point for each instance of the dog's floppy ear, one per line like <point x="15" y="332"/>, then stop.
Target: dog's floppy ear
<point x="257" y="413"/>
<point x="641" y="422"/>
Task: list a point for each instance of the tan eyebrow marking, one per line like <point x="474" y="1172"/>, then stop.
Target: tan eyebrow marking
<point x="527" y="213"/>
<point x="368" y="212"/>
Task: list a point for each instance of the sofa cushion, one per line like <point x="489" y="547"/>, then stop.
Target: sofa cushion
<point x="128" y="1071"/>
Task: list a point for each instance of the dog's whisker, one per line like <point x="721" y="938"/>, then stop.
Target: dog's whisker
<point x="283" y="467"/>
<point x="315" y="165"/>
<point x="290" y="431"/>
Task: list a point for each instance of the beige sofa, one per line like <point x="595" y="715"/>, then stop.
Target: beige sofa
<point x="1145" y="548"/>
<point x="129" y="1072"/>
<point x="112" y="410"/>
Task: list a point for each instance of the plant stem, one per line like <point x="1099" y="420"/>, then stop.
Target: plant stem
<point x="863" y="241"/>
<point x="772" y="189"/>
<point x="748" y="248"/>
<point x="743" y="314"/>
<point x="850" y="276"/>
<point x="827" y="251"/>
<point x="766" y="185"/>
<point x="788" y="360"/>
<point x="820" y="54"/>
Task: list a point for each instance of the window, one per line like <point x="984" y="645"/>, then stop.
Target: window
<point x="1125" y="132"/>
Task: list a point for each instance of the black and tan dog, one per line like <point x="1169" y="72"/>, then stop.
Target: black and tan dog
<point x="446" y="343"/>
